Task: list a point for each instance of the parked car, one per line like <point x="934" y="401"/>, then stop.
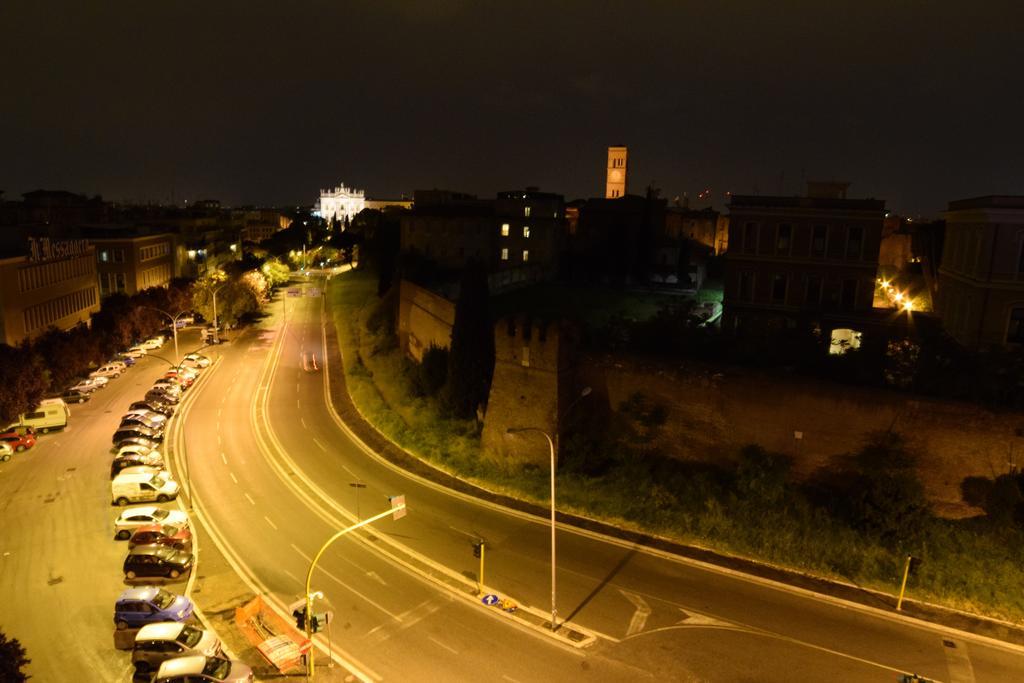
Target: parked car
<point x="142" y="485"/>
<point x="76" y="396"/>
<point x="156" y="560"/>
<point x="136" y="352"/>
<point x="51" y="413"/>
<point x="89" y="385"/>
<point x="108" y="371"/>
<point x="126" y="359"/>
<point x="199" y="669"/>
<point x="137" y="607"/>
<point x="18" y="442"/>
<point x="134" y="431"/>
<point x="174" y="383"/>
<point x="135" y="441"/>
<point x="155" y="406"/>
<point x="151" y="415"/>
<point x="5" y="452"/>
<point x="185" y="381"/>
<point x="119" y="363"/>
<point x="130" y="520"/>
<point x="156" y="643"/>
<point x="135" y="449"/>
<point x="185" y="371"/>
<point x="199" y="359"/>
<point x="129" y="462"/>
<point x="18" y="430"/>
<point x="134" y="420"/>
<point x="179" y="537"/>
<point x="159" y="394"/>
<point x="153" y="343"/>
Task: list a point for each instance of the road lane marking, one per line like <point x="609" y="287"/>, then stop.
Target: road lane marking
<point x="322" y="447"/>
<point x="640" y="614"/>
<point x="224" y="458"/>
<point x="302" y="421"/>
<point x="233" y="477"/>
<point x="509" y="678"/>
<point x="440" y="644"/>
<point x="270" y="522"/>
<point x="383" y="609"/>
<point x="249" y="498"/>
<point x="958" y="661"/>
<point x="297" y="404"/>
<point x="376" y="577"/>
<point x="290" y="574"/>
<point x="219" y="411"/>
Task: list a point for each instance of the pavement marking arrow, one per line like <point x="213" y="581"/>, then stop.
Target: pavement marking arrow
<point x="692" y="618"/>
<point x="639" y="619"/>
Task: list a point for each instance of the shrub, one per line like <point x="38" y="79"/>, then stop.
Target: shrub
<point x="432" y="371"/>
<point x="975" y="490"/>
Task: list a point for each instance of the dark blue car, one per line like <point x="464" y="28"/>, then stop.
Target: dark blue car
<point x="137" y="607"/>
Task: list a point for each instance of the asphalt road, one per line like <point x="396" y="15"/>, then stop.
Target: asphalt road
<point x="60" y="569"/>
<point x="273" y="474"/>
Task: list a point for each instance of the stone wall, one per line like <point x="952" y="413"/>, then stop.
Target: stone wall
<point x="712" y="415"/>
<point x="424" y="318"/>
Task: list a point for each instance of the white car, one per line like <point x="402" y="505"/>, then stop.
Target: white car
<point x="151" y="344"/>
<point x="5" y="452"/>
<point x="110" y="371"/>
<point x="89" y="385"/>
<point x="135" y="449"/>
<point x="168" y="386"/>
<point x="137" y="351"/>
<point x="118" y="364"/>
<point x="198" y="359"/>
<point x="133" y="518"/>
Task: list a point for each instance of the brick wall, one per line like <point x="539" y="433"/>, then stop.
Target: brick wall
<point x="424" y="318"/>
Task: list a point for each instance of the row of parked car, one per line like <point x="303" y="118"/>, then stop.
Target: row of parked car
<point x="167" y="647"/>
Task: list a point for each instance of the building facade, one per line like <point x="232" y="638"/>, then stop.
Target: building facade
<point x="529" y="226"/>
<point x="129" y="263"/>
<point x="981" y="280"/>
<point x="340" y="204"/>
<point x="615" y="185"/>
<point x="54" y="285"/>
<point x="803" y="259"/>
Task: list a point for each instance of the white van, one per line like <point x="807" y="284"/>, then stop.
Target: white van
<point x="140" y="486"/>
<point x="109" y="370"/>
<point x="51" y="413"/>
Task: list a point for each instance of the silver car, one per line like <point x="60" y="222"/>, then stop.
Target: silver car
<point x="156" y="643"/>
<point x="198" y="669"/>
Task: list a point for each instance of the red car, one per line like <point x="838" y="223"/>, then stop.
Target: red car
<point x="179" y="538"/>
<point x="18" y="442"/>
<point x="183" y="381"/>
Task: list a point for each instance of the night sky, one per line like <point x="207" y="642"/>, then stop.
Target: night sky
<point x="917" y="103"/>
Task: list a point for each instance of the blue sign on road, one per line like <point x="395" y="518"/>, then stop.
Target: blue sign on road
<point x="491" y="599"/>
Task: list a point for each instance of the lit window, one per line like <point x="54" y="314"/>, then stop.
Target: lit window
<point x="526" y="255"/>
<point x="526" y="211"/>
<point x="504" y="229"/>
<point x="525" y="359"/>
<point x="104" y="256"/>
<point x="526" y="231"/>
<point x="504" y="254"/>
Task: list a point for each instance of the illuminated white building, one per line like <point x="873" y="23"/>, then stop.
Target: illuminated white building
<point x="341" y="203"/>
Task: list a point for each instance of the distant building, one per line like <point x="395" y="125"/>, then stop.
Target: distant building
<point x="615" y="241"/>
<point x="981" y="279"/>
<point x="615" y="181"/>
<point x="803" y="260"/>
<point x="340" y="204"/>
<point x="129" y="259"/>
<point x="52" y="285"/>
<point x="515" y="237"/>
<point x="385" y="204"/>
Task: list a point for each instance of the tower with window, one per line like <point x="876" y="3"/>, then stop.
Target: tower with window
<point x="615" y="183"/>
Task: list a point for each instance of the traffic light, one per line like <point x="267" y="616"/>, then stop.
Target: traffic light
<point x="477" y="548"/>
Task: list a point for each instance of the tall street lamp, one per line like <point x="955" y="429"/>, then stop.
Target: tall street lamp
<point x="174" y="324"/>
<point x="551" y="450"/>
<point x="216" y="325"/>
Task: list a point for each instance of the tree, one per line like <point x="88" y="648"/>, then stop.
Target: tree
<point x="12" y="660"/>
<point x="23" y="379"/>
<point x="471" y="358"/>
<point x="276" y="272"/>
<point x="887" y="498"/>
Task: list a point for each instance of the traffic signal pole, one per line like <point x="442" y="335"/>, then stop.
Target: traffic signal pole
<point x="400" y="507"/>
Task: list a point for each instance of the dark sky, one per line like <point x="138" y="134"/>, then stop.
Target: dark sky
<point x="266" y="102"/>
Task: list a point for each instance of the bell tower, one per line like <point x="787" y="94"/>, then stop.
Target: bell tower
<point x="615" y="184"/>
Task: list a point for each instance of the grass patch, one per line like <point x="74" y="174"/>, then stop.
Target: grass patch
<point x="967" y="564"/>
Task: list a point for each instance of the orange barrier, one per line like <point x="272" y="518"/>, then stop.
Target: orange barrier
<point x="278" y="641"/>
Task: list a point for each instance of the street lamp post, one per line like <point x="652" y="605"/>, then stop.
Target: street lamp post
<point x="216" y="325"/>
<point x="551" y="450"/>
<point x="174" y="325"/>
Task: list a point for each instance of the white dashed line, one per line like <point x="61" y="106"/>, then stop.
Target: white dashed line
<point x="303" y="423"/>
<point x="440" y="644"/>
<point x="270" y="522"/>
<point x="297" y="403"/>
<point x="224" y="458"/>
<point x="249" y="498"/>
<point x="322" y="447"/>
<point x="233" y="477"/>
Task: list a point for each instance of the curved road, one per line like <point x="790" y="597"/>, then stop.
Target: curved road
<point x="272" y="470"/>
